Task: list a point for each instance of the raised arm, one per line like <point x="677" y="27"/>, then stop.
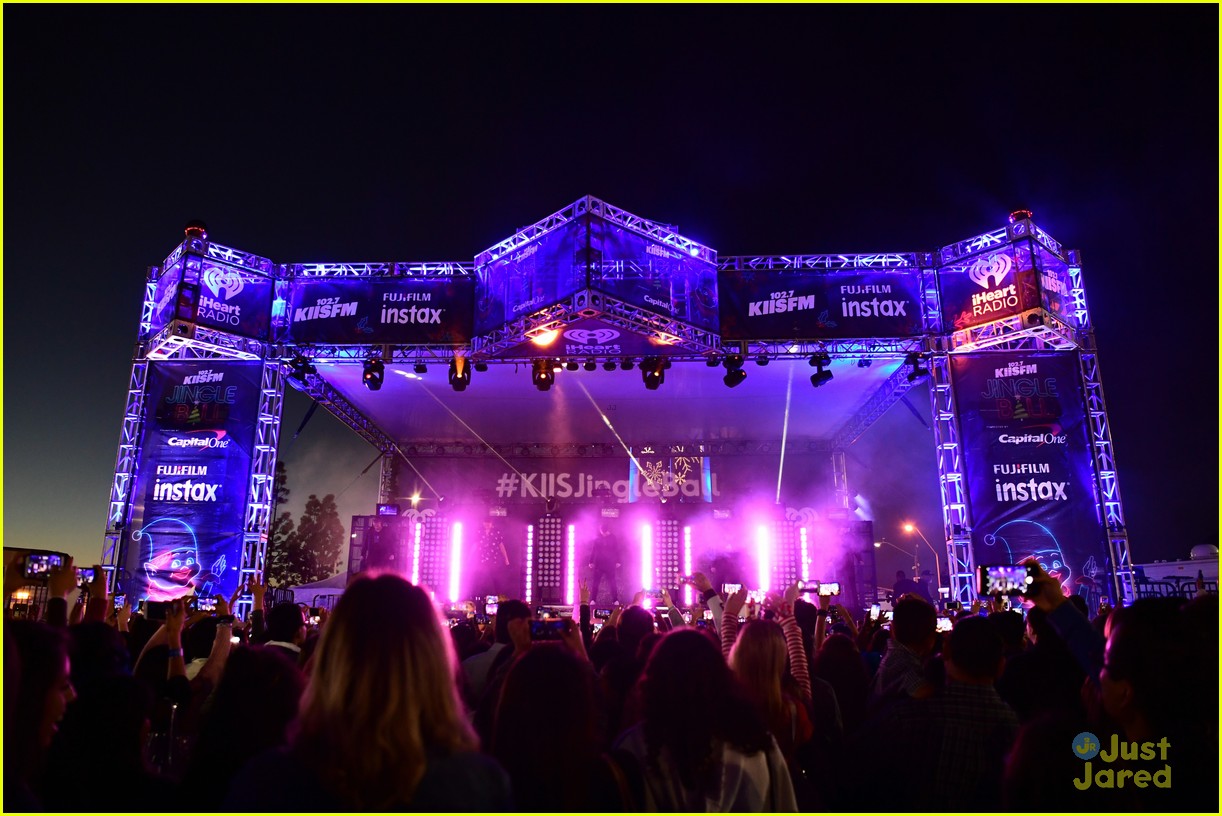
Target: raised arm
<point x="729" y="621"/>
<point x="798" y="666"/>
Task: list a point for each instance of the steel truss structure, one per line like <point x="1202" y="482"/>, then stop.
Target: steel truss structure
<point x="1034" y="329"/>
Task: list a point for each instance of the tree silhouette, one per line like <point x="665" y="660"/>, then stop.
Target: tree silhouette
<point x="308" y="551"/>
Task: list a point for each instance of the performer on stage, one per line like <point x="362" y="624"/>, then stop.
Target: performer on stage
<point x="380" y="547"/>
<point x="605" y="559"/>
<point x="492" y="573"/>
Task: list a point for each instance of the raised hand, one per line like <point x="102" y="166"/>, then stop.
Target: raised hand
<point x="97" y="587"/>
<point x="791" y="594"/>
<point x="734" y="603"/>
<point x="700" y="581"/>
<point x="62" y="579"/>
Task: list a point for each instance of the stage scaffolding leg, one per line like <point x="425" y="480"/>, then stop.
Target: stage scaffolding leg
<point x="955" y="517"/>
<point x="1107" y="490"/>
<point x="260" y="495"/>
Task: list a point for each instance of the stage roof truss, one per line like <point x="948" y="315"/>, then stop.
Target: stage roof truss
<point x="889" y="261"/>
<point x="892" y="389"/>
<point x="187" y="341"/>
<point x="1034" y="329"/>
<point x="388" y="269"/>
<point x="663" y="233"/>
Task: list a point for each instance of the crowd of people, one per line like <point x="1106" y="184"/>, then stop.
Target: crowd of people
<point x="779" y="705"/>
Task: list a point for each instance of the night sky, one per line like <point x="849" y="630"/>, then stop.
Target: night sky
<point x="318" y="133"/>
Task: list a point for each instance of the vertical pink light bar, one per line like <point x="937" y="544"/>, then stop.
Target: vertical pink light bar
<point x="687" y="564"/>
<point x="805" y="566"/>
<point x="416" y="554"/>
<point x="530" y="560"/>
<point x="763" y="544"/>
<point x="455" y="560"/>
<point x="571" y="580"/>
<point x="646" y="556"/>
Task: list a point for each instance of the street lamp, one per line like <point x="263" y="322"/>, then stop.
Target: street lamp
<point x="915" y="563"/>
<point x="909" y="527"/>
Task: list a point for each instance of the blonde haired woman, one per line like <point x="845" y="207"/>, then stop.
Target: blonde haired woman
<point x="381" y="724"/>
<point x="758" y="654"/>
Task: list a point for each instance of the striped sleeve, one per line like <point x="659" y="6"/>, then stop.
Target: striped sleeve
<point x="797" y="655"/>
<point x="729" y="631"/>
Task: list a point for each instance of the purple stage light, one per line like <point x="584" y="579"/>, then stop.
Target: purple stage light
<point x="646" y="556"/>
<point x="530" y="558"/>
<point x="455" y="560"/>
<point x="571" y="576"/>
<point x="687" y="565"/>
<point x="804" y="570"/>
<point x="763" y="544"/>
<point x="416" y="554"/>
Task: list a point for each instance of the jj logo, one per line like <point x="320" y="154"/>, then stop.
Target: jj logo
<point x="591" y="337"/>
<point x="990" y="271"/>
<point x="224" y="282"/>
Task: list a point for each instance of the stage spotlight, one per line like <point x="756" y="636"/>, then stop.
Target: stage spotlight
<point x="572" y="365"/>
<point x="734" y="370"/>
<point x="460" y="373"/>
<point x="590" y="365"/>
<point x="761" y="360"/>
<point x="373" y="374"/>
<point x="557" y="366"/>
<point x="652" y="372"/>
<point x="625" y="364"/>
<point x="1020" y="214"/>
<point x="821" y="376"/>
<point x="609" y="365"/>
<point x="917" y="372"/>
<point x="541" y="374"/>
<point x="865" y="362"/>
<point x="481" y="366"/>
<point x="420" y="368"/>
<point x="712" y="362"/>
<point x="301" y="367"/>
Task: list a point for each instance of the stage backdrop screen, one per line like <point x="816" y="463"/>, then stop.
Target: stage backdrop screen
<point x="534" y="276"/>
<point x="772" y="305"/>
<point x="1028" y="465"/>
<point x="189" y="497"/>
<point x="1055" y="286"/>
<point x="989" y="287"/>
<point x="652" y="276"/>
<point x="381" y="310"/>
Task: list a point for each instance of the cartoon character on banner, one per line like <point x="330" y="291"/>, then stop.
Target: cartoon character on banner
<point x="173" y="567"/>
<point x="1030" y="538"/>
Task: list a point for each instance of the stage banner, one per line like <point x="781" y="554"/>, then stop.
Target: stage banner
<point x="765" y="305"/>
<point x="1030" y="482"/>
<point x="1055" y="286"/>
<point x="988" y="287"/>
<point x="361" y="311"/>
<point x="189" y="496"/>
<point x="235" y="302"/>
<point x="530" y="278"/>
<point x="652" y="276"/>
<point x="646" y="477"/>
<point x="164" y="296"/>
